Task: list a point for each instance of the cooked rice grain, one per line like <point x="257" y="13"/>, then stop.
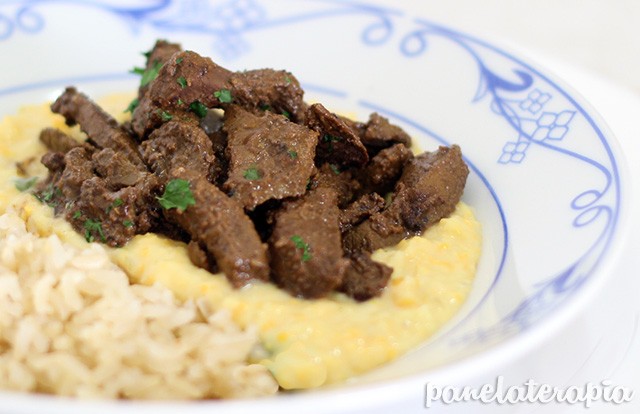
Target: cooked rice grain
<point x="71" y="324"/>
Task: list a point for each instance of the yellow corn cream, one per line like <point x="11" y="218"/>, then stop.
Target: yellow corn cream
<point x="309" y="343"/>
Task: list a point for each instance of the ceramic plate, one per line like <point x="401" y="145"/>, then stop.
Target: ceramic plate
<point x="545" y="181"/>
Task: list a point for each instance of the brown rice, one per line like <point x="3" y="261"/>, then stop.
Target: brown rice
<point x="71" y="324"/>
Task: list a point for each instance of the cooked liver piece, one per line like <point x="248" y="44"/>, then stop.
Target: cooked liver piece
<point x="116" y="215"/>
<point x="270" y="90"/>
<point x="365" y="278"/>
<point x="342" y="182"/>
<point x="57" y="141"/>
<point x="378" y="132"/>
<point x="184" y="79"/>
<point x="158" y="56"/>
<point x="77" y="169"/>
<point x="187" y="77"/>
<point x="269" y="157"/>
<point x="338" y="144"/>
<point x="99" y="126"/>
<point x="360" y="210"/>
<point x="384" y="169"/>
<point x="219" y="224"/>
<point x="177" y="144"/>
<point x="305" y="246"/>
<point x="117" y="171"/>
<point x="429" y="189"/>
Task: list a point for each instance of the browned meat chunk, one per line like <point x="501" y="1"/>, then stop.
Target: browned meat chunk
<point x="338" y="144"/>
<point x="271" y="90"/>
<point x="385" y="168"/>
<point x="77" y="169"/>
<point x="185" y="81"/>
<point x="156" y="57"/>
<point x="57" y="141"/>
<point x="99" y="126"/>
<point x="218" y="223"/>
<point x="306" y="253"/>
<point x="360" y="210"/>
<point x="380" y="133"/>
<point x="177" y="144"/>
<point x="200" y="257"/>
<point x="114" y="217"/>
<point x="365" y="278"/>
<point x="342" y="182"/>
<point x="117" y="171"/>
<point x="429" y="189"/>
<point x="269" y="157"/>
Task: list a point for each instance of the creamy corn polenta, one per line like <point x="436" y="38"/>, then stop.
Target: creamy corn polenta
<point x="308" y="343"/>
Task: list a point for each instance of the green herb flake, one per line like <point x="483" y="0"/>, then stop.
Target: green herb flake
<point x="90" y="228"/>
<point x="23" y="184"/>
<point x="251" y="173"/>
<point x="334" y="168"/>
<point x="48" y="195"/>
<point x="179" y="60"/>
<point x="286" y="114"/>
<point x="223" y="95"/>
<point x="265" y="107"/>
<point x="301" y="244"/>
<point x="198" y="108"/>
<point x="77" y="215"/>
<point x="182" y="82"/>
<point x="148" y="74"/>
<point x="137" y="71"/>
<point x="293" y="154"/>
<point x="116" y="203"/>
<point x="127" y="223"/>
<point x="180" y="102"/>
<point x="132" y="105"/>
<point x="287" y="80"/>
<point x="166" y="116"/>
<point x="177" y="194"/>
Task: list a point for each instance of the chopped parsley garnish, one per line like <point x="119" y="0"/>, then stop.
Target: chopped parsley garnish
<point x="180" y="102"/>
<point x="293" y="154"/>
<point x="251" y="173"/>
<point x="47" y="195"/>
<point x="148" y="74"/>
<point x="265" y="107"/>
<point x="92" y="226"/>
<point x="127" y="223"/>
<point x="179" y="60"/>
<point x="77" y="215"/>
<point x="116" y="203"/>
<point x="198" y="108"/>
<point x="132" y="105"/>
<point x="334" y="168"/>
<point x="287" y="79"/>
<point x="223" y="95"/>
<point x="301" y="244"/>
<point x="177" y="194"/>
<point x="166" y="116"/>
<point x="23" y="184"/>
<point x="182" y="82"/>
<point x="286" y="114"/>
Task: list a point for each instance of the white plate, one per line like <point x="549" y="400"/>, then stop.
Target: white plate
<point x="547" y="177"/>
